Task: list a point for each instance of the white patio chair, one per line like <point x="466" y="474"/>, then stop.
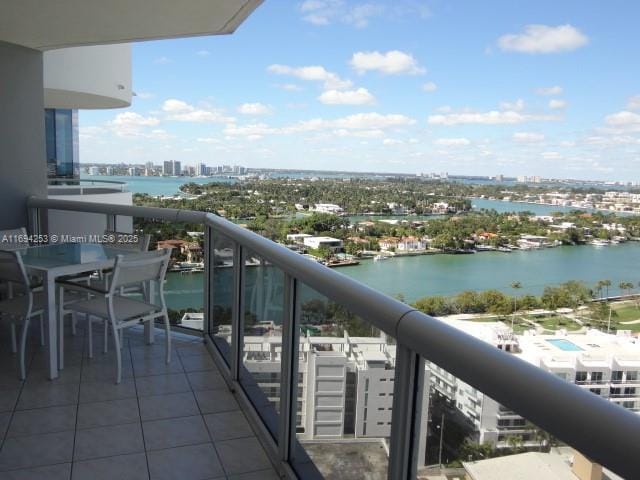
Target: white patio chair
<point x="121" y="311"/>
<point x="88" y="284"/>
<point x="14" y="239"/>
<point x="24" y="304"/>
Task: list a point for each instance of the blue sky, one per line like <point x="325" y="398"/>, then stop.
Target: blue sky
<point x="479" y="88"/>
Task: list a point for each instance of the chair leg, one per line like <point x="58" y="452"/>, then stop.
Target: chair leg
<point x="116" y="339"/>
<point x="105" y="348"/>
<point x="23" y="347"/>
<point x="61" y="339"/>
<point x="90" y="328"/>
<point x="14" y="343"/>
<point x="168" y="334"/>
<point x="42" y="329"/>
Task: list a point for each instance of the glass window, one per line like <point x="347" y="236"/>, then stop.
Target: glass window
<point x="616" y="375"/>
<point x="581" y="376"/>
<point x="61" y="134"/>
<point x="596" y="376"/>
<point x="632" y="376"/>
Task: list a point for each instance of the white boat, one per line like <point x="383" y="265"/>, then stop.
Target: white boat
<point x="599" y="243"/>
<point x="379" y="258"/>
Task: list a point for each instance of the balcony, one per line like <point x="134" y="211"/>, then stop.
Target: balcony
<point x="175" y="421"/>
<point x="249" y="280"/>
<point x="71" y="187"/>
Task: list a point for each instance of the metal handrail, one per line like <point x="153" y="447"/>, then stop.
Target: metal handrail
<point x="599" y="429"/>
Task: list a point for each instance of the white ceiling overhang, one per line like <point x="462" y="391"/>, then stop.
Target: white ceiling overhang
<point x="52" y="24"/>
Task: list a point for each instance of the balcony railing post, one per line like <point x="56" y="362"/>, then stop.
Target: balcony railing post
<point x="289" y="370"/>
<point x="111" y="223"/>
<point x="209" y="258"/>
<point x="34" y="221"/>
<point x="237" y="311"/>
<point x="406" y="418"/>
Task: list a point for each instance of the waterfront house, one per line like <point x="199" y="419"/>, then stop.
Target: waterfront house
<point x="410" y="244"/>
<point x="328" y="208"/>
<point x="334" y="244"/>
<point x="297" y="237"/>
<point x="388" y="244"/>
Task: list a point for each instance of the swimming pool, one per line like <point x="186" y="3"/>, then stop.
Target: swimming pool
<point x="565" y="345"/>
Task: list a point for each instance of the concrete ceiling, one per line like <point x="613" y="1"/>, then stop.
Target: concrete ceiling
<point x="51" y="24"/>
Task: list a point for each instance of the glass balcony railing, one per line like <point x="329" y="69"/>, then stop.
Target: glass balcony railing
<point x="337" y="377"/>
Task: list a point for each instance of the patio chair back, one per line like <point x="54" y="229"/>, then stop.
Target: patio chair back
<point x="142" y="244"/>
<point x="140" y="268"/>
<point x="12" y="269"/>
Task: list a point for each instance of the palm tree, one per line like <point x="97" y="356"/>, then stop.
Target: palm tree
<point x="625" y="287"/>
<point x="606" y="284"/>
<point x="599" y="287"/>
<point x="516" y="286"/>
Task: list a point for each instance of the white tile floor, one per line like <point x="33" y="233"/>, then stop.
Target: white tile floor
<point x="176" y="421"/>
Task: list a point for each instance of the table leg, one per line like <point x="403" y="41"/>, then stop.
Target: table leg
<point x="149" y="330"/>
<point x="50" y="321"/>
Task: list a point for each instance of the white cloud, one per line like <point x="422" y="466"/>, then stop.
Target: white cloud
<point x="324" y="12"/>
<point x="367" y="125"/>
<point x="392" y="141"/>
<point x="203" y="53"/>
<point x="493" y="117"/>
<point x="211" y="140"/>
<point x="555" y="90"/>
<point x="90" y="131"/>
<point x="361" y="96"/>
<point x="132" y="124"/>
<point x="556" y="104"/>
<point x="393" y="62"/>
<point x="253" y="109"/>
<point x="543" y="39"/>
<point x="452" y="142"/>
<point x="359" y="14"/>
<point x="621" y="124"/>
<point x="162" y="61"/>
<point x="289" y="87"/>
<point x="312" y="73"/>
<point x="429" y="87"/>
<point x="528" y="137"/>
<point x="144" y="95"/>
<point x="622" y="119"/>
<point x="551" y="155"/>
<point x="634" y="103"/>
<point x="516" y="106"/>
<point x="181" y="111"/>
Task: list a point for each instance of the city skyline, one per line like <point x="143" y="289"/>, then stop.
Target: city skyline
<point x="543" y="90"/>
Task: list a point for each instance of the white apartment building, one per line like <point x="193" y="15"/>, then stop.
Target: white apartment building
<point x="607" y="365"/>
<point x="94" y="170"/>
<point x="345" y="384"/>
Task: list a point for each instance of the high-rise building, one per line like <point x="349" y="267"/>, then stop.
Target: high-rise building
<point x="172" y="168"/>
<point x="203" y="170"/>
<point x="61" y="133"/>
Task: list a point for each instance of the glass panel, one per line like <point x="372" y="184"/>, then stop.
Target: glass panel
<point x="465" y="428"/>
<point x="184" y="286"/>
<point x="222" y="294"/>
<point x="345" y="392"/>
<point x="262" y="341"/>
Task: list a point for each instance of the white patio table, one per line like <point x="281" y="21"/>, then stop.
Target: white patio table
<point x="57" y="260"/>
